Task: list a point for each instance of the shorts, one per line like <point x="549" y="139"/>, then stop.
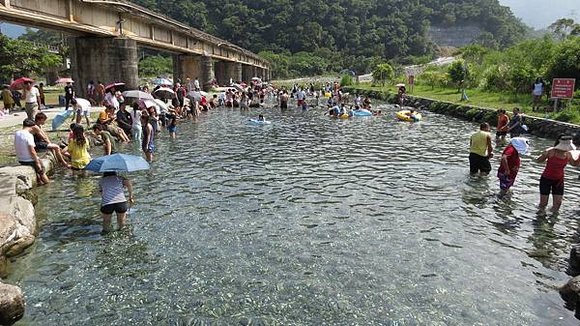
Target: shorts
<point x="300" y="103"/>
<point x="39" y="170"/>
<point x="172" y="128"/>
<point x="504" y="181"/>
<point x="115" y="207"/>
<point x="549" y="185"/>
<point x="149" y="149"/>
<point x="41" y="146"/>
<point x="500" y="133"/>
<point x="84" y="113"/>
<point x="478" y="163"/>
<point x="283" y="105"/>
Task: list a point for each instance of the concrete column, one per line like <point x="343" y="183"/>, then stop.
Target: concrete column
<point x="186" y="66"/>
<point x="221" y="73"/>
<point x="247" y="73"/>
<point x="104" y="59"/>
<point x="237" y="69"/>
<point x="207" y="72"/>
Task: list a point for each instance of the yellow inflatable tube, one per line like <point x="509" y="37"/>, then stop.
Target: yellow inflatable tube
<point x="405" y="115"/>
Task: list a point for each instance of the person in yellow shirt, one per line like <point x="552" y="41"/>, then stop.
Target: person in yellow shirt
<point x="7" y="99"/>
<point x="480" y="151"/>
<point x="78" y="148"/>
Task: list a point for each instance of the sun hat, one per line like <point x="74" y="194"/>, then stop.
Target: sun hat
<point x="521" y="144"/>
<point x="565" y="144"/>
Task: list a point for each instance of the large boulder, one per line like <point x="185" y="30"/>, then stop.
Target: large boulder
<point x="11" y="304"/>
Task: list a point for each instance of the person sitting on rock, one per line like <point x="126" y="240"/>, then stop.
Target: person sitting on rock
<point x="42" y="141"/>
<point x="25" y="150"/>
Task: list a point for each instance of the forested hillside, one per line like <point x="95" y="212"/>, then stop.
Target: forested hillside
<point x="350" y="34"/>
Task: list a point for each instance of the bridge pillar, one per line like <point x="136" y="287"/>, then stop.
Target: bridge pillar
<point x="207" y="72"/>
<point x="232" y="70"/>
<point x="105" y="59"/>
<point x="186" y="66"/>
<point x="247" y="73"/>
<point x="194" y="66"/>
<point x="221" y="73"/>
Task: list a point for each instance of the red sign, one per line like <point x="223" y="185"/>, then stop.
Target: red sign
<point x="563" y="88"/>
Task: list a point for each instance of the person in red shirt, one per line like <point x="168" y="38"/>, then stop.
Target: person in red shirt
<point x="510" y="163"/>
<point x="552" y="179"/>
<point x="502" y="126"/>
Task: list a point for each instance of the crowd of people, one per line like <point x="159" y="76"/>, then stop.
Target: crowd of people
<point x="556" y="158"/>
<point x="125" y="120"/>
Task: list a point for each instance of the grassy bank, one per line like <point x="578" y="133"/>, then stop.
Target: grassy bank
<point x="488" y="99"/>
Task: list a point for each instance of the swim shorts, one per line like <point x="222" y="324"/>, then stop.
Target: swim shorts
<point x="115" y="207"/>
<point x="549" y="185"/>
<point x="504" y="181"/>
<point x="478" y="163"/>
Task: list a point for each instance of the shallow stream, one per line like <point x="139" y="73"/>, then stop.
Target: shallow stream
<point x="307" y="221"/>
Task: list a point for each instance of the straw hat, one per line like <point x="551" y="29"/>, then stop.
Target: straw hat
<point x="565" y="144"/>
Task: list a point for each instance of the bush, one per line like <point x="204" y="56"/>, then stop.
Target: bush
<point x="383" y="73"/>
<point x="567" y="115"/>
<point x="346" y="80"/>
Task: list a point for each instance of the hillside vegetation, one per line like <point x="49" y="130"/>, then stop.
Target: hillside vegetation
<point x="315" y="36"/>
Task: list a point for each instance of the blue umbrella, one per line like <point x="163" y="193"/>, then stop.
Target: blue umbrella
<point x="60" y="118"/>
<point x="117" y="163"/>
<point x="162" y="82"/>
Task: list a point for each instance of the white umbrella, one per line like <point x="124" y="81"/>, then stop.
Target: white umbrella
<point x="238" y="87"/>
<point x="164" y="92"/>
<point x="162" y="105"/>
<point x="197" y="95"/>
<point x="400" y="85"/>
<point x="137" y="94"/>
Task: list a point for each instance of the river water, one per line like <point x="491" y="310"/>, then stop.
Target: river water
<point x="307" y="221"/>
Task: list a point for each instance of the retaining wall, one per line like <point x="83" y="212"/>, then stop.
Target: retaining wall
<point x="541" y="127"/>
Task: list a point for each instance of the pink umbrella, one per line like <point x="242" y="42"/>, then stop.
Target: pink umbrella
<point x="19" y="83"/>
<point x="116" y="85"/>
<point x="64" y="80"/>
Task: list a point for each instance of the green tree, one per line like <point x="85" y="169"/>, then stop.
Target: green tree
<point x="458" y="73"/>
<point x="23" y="58"/>
<point x="383" y="73"/>
<point x="153" y="66"/>
<point x="566" y="61"/>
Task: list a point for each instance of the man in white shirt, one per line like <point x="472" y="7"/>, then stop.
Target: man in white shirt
<point x="32" y="99"/>
<point x="24" y="148"/>
<point x="196" y="84"/>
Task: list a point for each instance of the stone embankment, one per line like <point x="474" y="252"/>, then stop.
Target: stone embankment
<point x="18" y="230"/>
<point x="537" y="126"/>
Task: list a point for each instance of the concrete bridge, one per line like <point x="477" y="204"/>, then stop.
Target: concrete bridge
<point x="107" y="33"/>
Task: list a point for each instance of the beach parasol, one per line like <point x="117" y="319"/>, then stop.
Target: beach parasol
<point x="117" y="163"/>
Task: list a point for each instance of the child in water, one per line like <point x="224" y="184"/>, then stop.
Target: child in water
<point x="510" y="163"/>
<point x="261" y="118"/>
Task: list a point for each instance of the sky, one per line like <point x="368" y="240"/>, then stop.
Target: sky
<point x="541" y="13"/>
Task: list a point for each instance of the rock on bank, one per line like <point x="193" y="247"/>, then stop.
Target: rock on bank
<point x="18" y="230"/>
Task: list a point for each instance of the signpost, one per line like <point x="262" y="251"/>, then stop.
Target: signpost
<point x="562" y="88"/>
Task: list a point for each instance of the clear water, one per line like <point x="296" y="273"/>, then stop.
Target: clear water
<point x="308" y="221"/>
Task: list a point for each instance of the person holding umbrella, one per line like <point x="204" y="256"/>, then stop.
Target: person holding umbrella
<point x="113" y="199"/>
<point x="112" y="185"/>
<point x="32" y="97"/>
